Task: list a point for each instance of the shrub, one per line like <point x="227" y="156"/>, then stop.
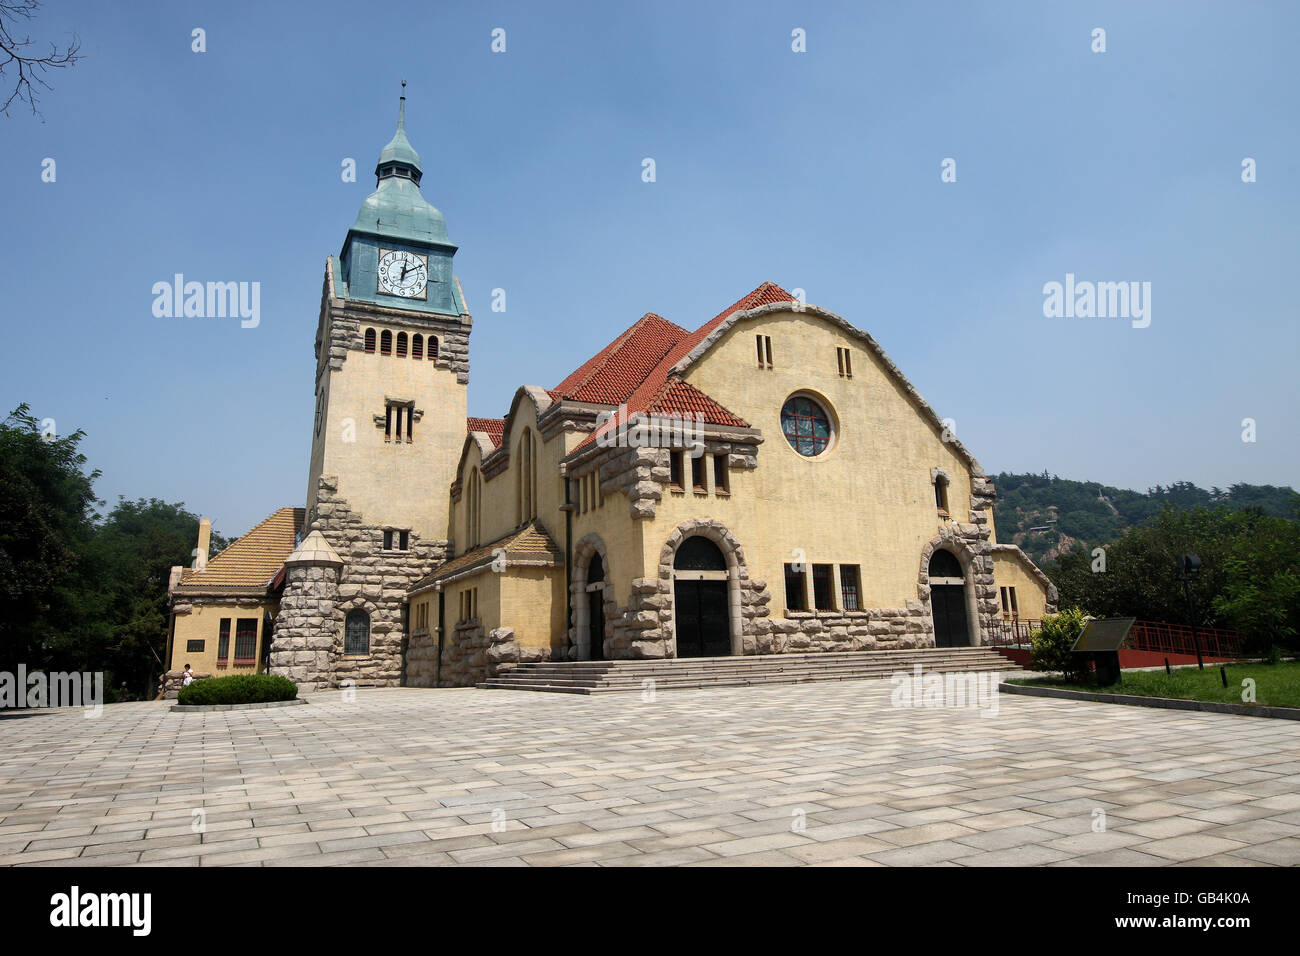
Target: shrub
<point x="238" y="689"/>
<point x="1052" y="643"/>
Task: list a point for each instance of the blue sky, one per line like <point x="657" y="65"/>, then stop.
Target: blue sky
<point x="818" y="170"/>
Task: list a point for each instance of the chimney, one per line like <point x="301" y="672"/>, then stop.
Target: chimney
<point x="205" y="540"/>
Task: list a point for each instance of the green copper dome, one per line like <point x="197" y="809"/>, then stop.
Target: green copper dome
<point x="396" y="210"/>
<point x="399" y="148"/>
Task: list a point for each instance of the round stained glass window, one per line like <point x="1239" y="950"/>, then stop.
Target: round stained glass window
<point x="806" y="426"/>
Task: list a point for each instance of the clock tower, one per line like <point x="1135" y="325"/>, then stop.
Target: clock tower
<point x="392" y="371"/>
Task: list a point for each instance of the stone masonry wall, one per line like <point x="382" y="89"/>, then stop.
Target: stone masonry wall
<point x="308" y="646"/>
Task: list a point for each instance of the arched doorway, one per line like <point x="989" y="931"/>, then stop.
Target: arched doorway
<point x="700" y="599"/>
<point x="948" y="600"/>
<point x="596" y="608"/>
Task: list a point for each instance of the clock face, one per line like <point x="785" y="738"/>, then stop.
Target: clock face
<point x="404" y="274"/>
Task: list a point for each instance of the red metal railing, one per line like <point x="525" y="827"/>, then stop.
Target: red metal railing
<point x="1163" y="638"/>
<point x="1154" y="636"/>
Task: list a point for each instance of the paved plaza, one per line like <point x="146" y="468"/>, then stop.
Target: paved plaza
<point x="827" y="774"/>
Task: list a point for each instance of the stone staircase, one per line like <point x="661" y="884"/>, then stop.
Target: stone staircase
<point x="598" y="677"/>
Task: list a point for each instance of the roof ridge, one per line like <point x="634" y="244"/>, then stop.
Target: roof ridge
<point x="243" y="538"/>
<point x="598" y="362"/>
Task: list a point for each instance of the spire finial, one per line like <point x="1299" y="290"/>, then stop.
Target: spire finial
<point x="401" y="109"/>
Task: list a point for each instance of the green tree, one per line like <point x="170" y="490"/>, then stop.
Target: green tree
<point x="46" y="509"/>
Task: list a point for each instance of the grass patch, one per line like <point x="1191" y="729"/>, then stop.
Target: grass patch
<point x="1276" y="685"/>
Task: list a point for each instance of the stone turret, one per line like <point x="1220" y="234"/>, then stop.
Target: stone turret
<point x="309" y="623"/>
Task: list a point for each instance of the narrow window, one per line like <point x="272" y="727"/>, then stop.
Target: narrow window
<point x="675" y="468"/>
<point x="764" y="343"/>
<point x="697" y="475"/>
<point x="410" y="421"/>
<point x="1006" y="606"/>
<point x="721" y="478"/>
<point x="388" y="541"/>
<point x="433" y="348"/>
<point x="823" y="591"/>
<point x="388" y="423"/>
<point x="386" y="343"/>
<point x="401" y="345"/>
<point x="1015" y="611"/>
<point x="849" y="587"/>
<point x="758" y="341"/>
<point x="417" y="346"/>
<point x="397" y="411"/>
<point x="403" y="540"/>
<point x="223" y="641"/>
<point x="845" y="359"/>
<point x="246" y="640"/>
<point x="941" y="493"/>
<point x="767" y="343"/>
<point x="356" y="632"/>
<point x="370" y="340"/>
<point x="795" y="599"/>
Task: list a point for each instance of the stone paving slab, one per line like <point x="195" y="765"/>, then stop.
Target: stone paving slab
<point x="826" y="774"/>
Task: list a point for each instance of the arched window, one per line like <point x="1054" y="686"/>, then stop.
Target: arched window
<point x="474" y="508"/>
<point x="699" y="554"/>
<point x="944" y="564"/>
<point x="356" y="633"/>
<point x="595" y="570"/>
<point x="370" y="340"/>
<point x="386" y="343"/>
<point x="417" y="346"/>
<point x="401" y="345"/>
<point x="433" y="348"/>
<point x="806" y="426"/>
<point x="526" y="480"/>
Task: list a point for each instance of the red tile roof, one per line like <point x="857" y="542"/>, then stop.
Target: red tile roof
<point x="611" y="375"/>
<point x="676" y="397"/>
<point x="654" y="392"/>
<point x="494" y="427"/>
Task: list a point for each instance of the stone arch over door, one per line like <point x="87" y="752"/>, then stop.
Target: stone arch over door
<point x="740" y="589"/>
<point x="580" y="603"/>
<point x="971" y="564"/>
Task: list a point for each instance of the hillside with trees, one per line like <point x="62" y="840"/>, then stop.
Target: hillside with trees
<point x="1050" y="516"/>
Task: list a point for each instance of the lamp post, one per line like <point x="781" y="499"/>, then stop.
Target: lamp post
<point x="1189" y="565"/>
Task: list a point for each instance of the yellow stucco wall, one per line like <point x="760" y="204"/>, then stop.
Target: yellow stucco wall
<point x="204" y="623"/>
<point x="376" y="477"/>
<point x="1031" y="596"/>
<point x="868" y="500"/>
<point x="532" y="603"/>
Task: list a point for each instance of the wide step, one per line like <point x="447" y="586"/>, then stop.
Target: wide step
<point x="593" y="677"/>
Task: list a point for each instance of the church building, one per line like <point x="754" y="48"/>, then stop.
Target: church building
<point x="764" y="482"/>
